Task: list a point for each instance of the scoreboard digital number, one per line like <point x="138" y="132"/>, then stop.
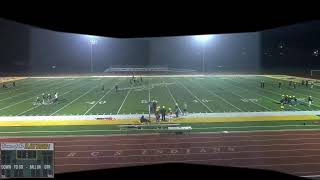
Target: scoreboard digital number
<point x="27" y="160"/>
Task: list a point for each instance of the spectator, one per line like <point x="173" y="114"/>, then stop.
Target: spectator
<point x="157" y="117"/>
<point x="143" y="120"/>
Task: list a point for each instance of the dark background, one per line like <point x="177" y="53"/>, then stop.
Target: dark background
<point x="25" y="48"/>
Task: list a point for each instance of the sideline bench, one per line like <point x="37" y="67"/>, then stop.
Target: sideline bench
<point x="160" y="128"/>
<point x="146" y="126"/>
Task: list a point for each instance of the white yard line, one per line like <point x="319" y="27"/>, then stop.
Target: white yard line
<point x="73" y="101"/>
<point x="252" y="101"/>
<point x="23" y="84"/>
<point x="124" y="100"/>
<point x="211" y="92"/>
<point x="174" y="100"/>
<point x="12" y="96"/>
<point x="99" y="100"/>
<point x="28" y="99"/>
<point x="195" y="96"/>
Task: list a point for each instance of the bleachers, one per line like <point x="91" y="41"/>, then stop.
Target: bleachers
<point x="133" y="68"/>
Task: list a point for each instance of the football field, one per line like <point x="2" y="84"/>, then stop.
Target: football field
<point x="202" y="94"/>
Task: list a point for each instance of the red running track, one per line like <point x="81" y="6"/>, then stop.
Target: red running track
<point x="293" y="152"/>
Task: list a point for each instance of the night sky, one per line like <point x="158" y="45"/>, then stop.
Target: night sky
<point x="27" y="49"/>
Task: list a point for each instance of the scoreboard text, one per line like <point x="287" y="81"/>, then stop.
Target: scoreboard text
<point x="27" y="160"/>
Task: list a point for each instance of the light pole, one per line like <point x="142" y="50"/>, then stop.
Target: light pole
<point x="92" y="42"/>
<point x="203" y="40"/>
<point x="203" y="55"/>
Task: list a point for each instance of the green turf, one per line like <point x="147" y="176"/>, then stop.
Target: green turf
<point x="115" y="129"/>
<point x="202" y="94"/>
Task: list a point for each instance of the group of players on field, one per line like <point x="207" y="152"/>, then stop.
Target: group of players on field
<point x="4" y="85"/>
<point x="47" y="99"/>
<point x="292" y="100"/>
<point x="135" y="80"/>
<point x="292" y="84"/>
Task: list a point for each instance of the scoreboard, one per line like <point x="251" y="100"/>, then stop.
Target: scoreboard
<point x="27" y="160"/>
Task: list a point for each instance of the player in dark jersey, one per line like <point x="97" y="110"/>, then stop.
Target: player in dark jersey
<point x="282" y="99"/>
<point x="38" y="101"/>
<point x="154" y="105"/>
<point x="279" y="85"/>
<point x="286" y="98"/>
<point x="295" y="100"/>
<point x="289" y="100"/>
<point x="294" y="85"/>
<point x="116" y="87"/>
<point x="14" y="84"/>
<point x="262" y="84"/>
<point x="49" y="97"/>
<point x="103" y="87"/>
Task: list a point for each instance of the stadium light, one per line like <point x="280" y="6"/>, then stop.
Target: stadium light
<point x="92" y="42"/>
<point x="203" y="39"/>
